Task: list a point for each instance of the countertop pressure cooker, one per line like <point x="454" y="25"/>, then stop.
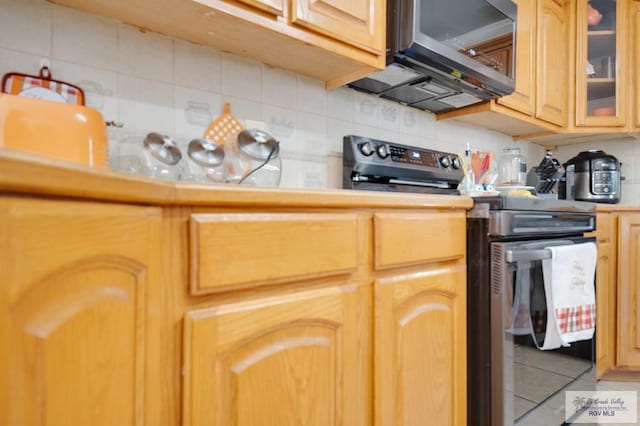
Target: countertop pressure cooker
<point x="592" y="176"/>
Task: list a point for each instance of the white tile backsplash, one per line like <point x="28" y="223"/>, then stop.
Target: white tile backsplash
<point x="630" y="193"/>
<point x="340" y="104"/>
<point x="389" y="115"/>
<point x="311" y="133"/>
<point x="243" y="109"/>
<point x="152" y="82"/>
<point x="422" y="141"/>
<point x="336" y="130"/>
<point x="408" y="123"/>
<point x="86" y="39"/>
<point x="427" y="125"/>
<point x="146" y="104"/>
<point x="281" y="123"/>
<point x="365" y="110"/>
<point x="290" y="177"/>
<point x="391" y="136"/>
<point x="313" y="175"/>
<point x="278" y="87"/>
<point x="14" y="61"/>
<point x="312" y="96"/>
<point x="25" y="26"/>
<point x="194" y="110"/>
<point x="145" y="54"/>
<point x="197" y="67"/>
<point x="365" y="130"/>
<point x="241" y="77"/>
<point x="636" y="154"/>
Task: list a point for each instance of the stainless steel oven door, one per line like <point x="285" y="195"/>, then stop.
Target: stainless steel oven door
<point x="512" y="264"/>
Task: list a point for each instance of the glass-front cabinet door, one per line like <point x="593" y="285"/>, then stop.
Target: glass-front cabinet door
<point x="602" y="52"/>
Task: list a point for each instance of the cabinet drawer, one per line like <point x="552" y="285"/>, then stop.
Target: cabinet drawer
<point x="411" y="238"/>
<point x="243" y="250"/>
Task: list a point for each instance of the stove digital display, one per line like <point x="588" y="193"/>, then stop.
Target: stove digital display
<point x="410" y="156"/>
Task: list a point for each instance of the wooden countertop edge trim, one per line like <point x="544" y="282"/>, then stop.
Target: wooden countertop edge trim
<point x="193" y="195"/>
<point x="34" y="174"/>
<point x="30" y="174"/>
<point x="604" y="208"/>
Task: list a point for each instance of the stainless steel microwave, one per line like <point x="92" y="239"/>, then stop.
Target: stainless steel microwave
<point x="446" y="54"/>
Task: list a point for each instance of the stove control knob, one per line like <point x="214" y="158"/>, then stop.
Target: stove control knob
<point x="456" y="164"/>
<point x="445" y="161"/>
<point x="383" y="151"/>
<point x="366" y="148"/>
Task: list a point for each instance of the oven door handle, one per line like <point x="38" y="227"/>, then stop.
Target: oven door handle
<point x="538" y="250"/>
<point x="513" y="256"/>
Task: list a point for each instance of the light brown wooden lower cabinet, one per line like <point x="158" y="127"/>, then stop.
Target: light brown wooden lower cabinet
<point x="115" y="314"/>
<point x="605" y="305"/>
<point x="79" y="286"/>
<point x="628" y="348"/>
<point x="421" y="348"/>
<point x="298" y="358"/>
<point x="618" y="299"/>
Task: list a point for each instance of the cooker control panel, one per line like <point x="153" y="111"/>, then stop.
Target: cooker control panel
<point x="415" y="156"/>
<point x="604" y="183"/>
<point x="382" y="162"/>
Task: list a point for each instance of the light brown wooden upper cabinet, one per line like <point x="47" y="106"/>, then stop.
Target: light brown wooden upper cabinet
<point x="552" y="67"/>
<point x="539" y="101"/>
<point x="541" y="61"/>
<point x="329" y="40"/>
<point x="602" y="54"/>
<point x="523" y="97"/>
<point x="275" y="7"/>
<point x="357" y="22"/>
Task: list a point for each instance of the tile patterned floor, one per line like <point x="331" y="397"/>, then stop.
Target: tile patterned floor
<point x="538" y="375"/>
<point x="552" y="370"/>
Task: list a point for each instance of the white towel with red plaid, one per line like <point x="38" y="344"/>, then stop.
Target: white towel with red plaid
<point x="570" y="292"/>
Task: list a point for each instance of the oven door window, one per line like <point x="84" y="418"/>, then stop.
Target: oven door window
<point x="529" y="306"/>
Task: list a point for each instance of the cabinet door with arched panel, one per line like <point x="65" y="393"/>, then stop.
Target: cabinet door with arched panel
<point x="291" y="358"/>
<point x="78" y="282"/>
<point x="628" y="337"/>
<point x="420" y="350"/>
<point x="551" y="62"/>
<point x="523" y="97"/>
